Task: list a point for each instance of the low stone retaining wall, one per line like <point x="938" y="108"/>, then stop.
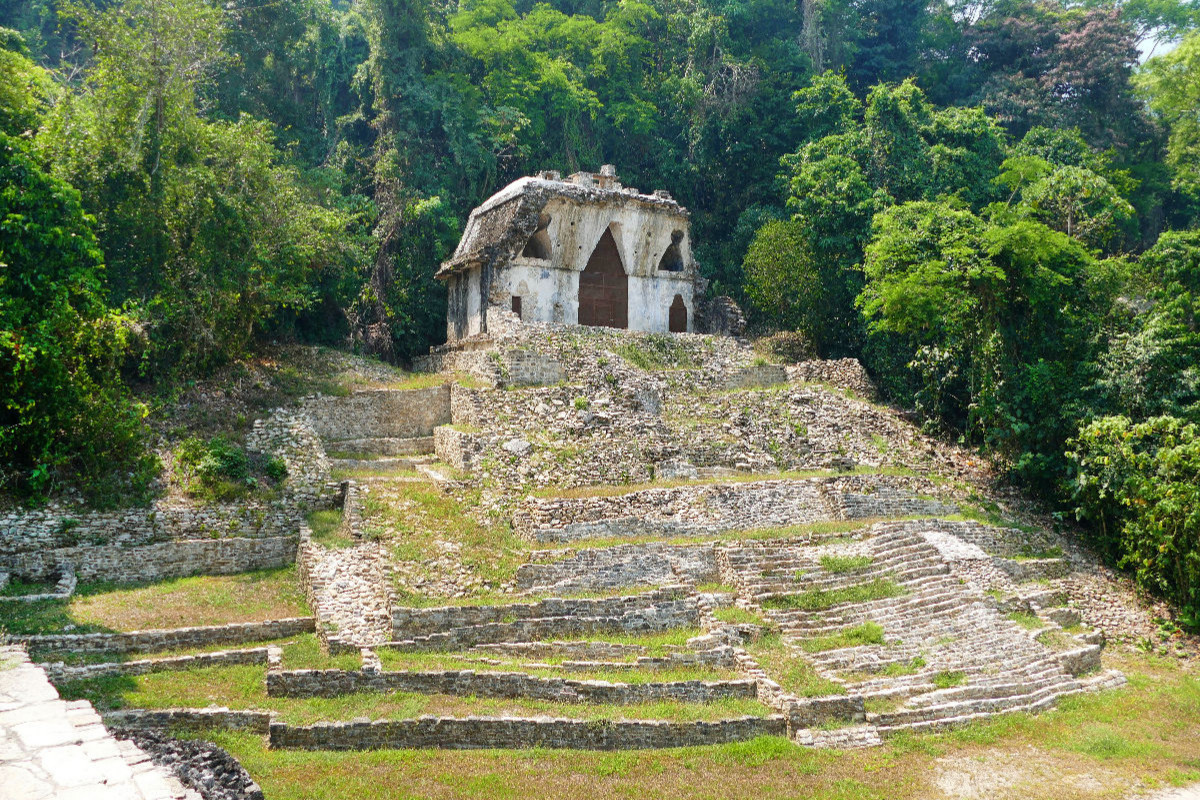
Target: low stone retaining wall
<point x="168" y="638"/>
<point x="388" y="413"/>
<point x="412" y="622"/>
<point x="666" y="616"/>
<point x="478" y="733"/>
<point x="39" y="536"/>
<point x="176" y="559"/>
<point x="650" y="564"/>
<point x="497" y="368"/>
<point x="704" y="509"/>
<point x="459" y="449"/>
<point x="756" y="376"/>
<point x="1081" y="660"/>
<point x="200" y="719"/>
<point x="59" y="672"/>
<point x="844" y="373"/>
<point x="811" y="712"/>
<point x="506" y="685"/>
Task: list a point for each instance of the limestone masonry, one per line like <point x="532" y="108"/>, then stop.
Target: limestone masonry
<point x="585" y="526"/>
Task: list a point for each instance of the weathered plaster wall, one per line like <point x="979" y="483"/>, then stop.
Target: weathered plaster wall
<point x="492" y="268"/>
<point x="380" y="413"/>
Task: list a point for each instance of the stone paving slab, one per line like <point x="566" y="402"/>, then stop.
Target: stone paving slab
<point x="50" y="748"/>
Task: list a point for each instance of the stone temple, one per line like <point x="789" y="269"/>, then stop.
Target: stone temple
<point x="582" y="250"/>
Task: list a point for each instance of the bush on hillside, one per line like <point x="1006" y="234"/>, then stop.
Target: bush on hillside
<point x="1139" y="486"/>
<point x="63" y="408"/>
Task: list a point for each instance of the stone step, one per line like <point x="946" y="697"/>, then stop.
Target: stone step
<point x="950" y="713"/>
<point x="383" y="464"/>
<point x="385" y="446"/>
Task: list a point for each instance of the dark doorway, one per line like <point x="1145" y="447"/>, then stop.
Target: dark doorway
<point x="516" y="305"/>
<point x="604" y="288"/>
<point x="677" y="319"/>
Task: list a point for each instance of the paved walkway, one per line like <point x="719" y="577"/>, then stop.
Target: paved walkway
<point x="51" y="748"/>
<point x="1186" y="793"/>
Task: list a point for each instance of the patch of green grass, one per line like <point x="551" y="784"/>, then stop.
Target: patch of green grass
<point x="821" y="599"/>
<point x="1026" y="620"/>
<point x="1105" y="742"/>
<point x="738" y="616"/>
<point x="1159" y="707"/>
<point x="547" y="668"/>
<point x="176" y="603"/>
<point x="947" y="679"/>
<point x="794" y="674"/>
<point x="838" y="564"/>
<point x="866" y="633"/>
<point x="716" y="588"/>
<point x="654" y="352"/>
<point x="1029" y="553"/>
<point x="243" y="687"/>
<point x="327" y="529"/>
<point x="896" y="669"/>
<point x="20" y="588"/>
<point x="882" y="705"/>
<point x="417" y="519"/>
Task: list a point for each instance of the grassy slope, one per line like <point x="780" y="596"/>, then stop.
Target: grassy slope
<point x="201" y="600"/>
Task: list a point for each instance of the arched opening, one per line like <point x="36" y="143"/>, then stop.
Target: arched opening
<point x="604" y="287"/>
<point x="672" y="259"/>
<point x="677" y="316"/>
<point x="538" y="245"/>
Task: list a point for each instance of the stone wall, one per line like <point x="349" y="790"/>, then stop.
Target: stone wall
<point x="175" y="537"/>
<point x="199" y="719"/>
<point x="380" y="413"/>
<point x="844" y="373"/>
<point x="650" y="564"/>
<point x="707" y="508"/>
<point x="505" y="685"/>
<point x="56" y="527"/>
<point x="160" y="561"/>
<point x="411" y="622"/>
<point x="458" y="448"/>
<point x="477" y="733"/>
<point x="59" y="672"/>
<point x="152" y="641"/>
<point x="756" y="376"/>
<point x="477" y="364"/>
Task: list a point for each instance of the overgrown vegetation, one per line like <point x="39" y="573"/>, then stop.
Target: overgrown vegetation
<point x="821" y="599"/>
<point x="866" y="633"/>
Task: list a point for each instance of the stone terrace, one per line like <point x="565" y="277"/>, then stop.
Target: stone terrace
<point x="611" y="525"/>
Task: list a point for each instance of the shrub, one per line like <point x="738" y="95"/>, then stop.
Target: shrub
<point x="63" y="409"/>
<point x="1140" y="487"/>
<point x="215" y="470"/>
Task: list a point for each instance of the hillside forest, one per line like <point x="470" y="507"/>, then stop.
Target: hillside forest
<point x="993" y="204"/>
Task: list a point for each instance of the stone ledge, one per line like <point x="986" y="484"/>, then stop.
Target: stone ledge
<point x="150" y="641"/>
<point x="505" y="685"/>
<point x="508" y="732"/>
<point x="190" y="718"/>
<point x="59" y="672"/>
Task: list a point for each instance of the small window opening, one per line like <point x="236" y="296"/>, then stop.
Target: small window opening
<point x="538" y="245"/>
<point x="516" y="305"/>
<point x="672" y="260"/>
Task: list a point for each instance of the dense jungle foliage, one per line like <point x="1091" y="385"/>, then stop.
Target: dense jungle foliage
<point x="994" y="205"/>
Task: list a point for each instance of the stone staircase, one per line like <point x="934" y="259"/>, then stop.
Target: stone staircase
<point x="966" y="659"/>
